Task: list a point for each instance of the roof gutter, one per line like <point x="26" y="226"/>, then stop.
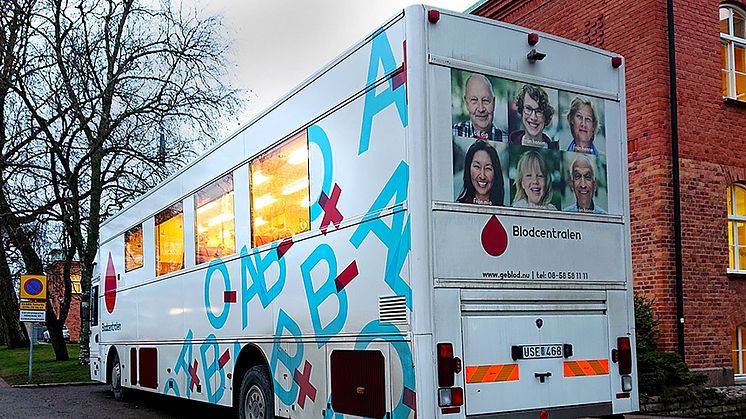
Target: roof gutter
<point x="679" y="282"/>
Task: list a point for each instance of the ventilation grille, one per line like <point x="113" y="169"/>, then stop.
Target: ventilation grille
<point x="392" y="309"/>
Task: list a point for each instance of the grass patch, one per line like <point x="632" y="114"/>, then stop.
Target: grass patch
<point x="14" y="366"/>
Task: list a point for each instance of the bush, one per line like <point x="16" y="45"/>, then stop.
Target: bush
<point x="660" y="373"/>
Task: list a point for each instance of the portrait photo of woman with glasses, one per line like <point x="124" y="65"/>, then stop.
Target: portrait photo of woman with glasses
<point x="535" y="112"/>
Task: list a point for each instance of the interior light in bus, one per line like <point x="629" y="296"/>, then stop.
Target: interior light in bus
<point x="305" y="203"/>
<point x="259" y="221"/>
<point x="208" y="206"/>
<point x="258" y="178"/>
<point x="299" y="155"/>
<point x="219" y="219"/>
<point x="295" y="186"/>
<point x="263" y="201"/>
<point x="201" y="229"/>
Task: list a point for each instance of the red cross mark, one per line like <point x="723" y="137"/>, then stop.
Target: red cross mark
<point x="284" y="246"/>
<point x="400" y="75"/>
<point x="331" y="213"/>
<point x="410" y="400"/>
<point x="224" y="359"/>
<point x="193" y="377"/>
<point x="346" y="276"/>
<point x="304" y="382"/>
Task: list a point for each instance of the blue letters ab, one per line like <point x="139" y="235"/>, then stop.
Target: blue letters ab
<point x="326" y="290"/>
<point x="381" y="52"/>
<point x="397" y="237"/>
<point x="257" y="266"/>
<point x="285" y="322"/>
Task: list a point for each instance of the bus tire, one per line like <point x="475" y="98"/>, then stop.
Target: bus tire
<point x="116" y="380"/>
<point x="256" y="399"/>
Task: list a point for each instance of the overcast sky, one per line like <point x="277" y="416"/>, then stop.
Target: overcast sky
<point x="279" y="43"/>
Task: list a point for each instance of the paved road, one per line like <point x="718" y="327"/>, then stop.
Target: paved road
<point x="96" y="401"/>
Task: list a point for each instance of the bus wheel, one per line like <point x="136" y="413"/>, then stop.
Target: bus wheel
<point x="116" y="380"/>
<point x="256" y="400"/>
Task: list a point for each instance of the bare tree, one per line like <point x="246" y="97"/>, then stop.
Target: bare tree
<point x="117" y="92"/>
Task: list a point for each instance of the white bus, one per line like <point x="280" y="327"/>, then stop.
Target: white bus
<point x="434" y="225"/>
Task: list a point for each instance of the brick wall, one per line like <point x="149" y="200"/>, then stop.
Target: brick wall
<point x="712" y="144"/>
<point x="55" y="286"/>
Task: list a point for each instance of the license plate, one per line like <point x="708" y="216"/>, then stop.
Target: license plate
<point x="537" y="351"/>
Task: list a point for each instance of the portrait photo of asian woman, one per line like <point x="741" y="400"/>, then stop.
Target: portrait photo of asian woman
<point x="482" y="180"/>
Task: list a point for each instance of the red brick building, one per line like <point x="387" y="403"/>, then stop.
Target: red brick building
<point x="711" y="114"/>
<point x="56" y="290"/>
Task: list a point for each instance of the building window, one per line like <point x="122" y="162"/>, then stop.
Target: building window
<point x="736" y="195"/>
<point x="169" y="240"/>
<point x="133" y="248"/>
<point x="215" y="220"/>
<point x="733" y="52"/>
<point x="738" y="350"/>
<point x="280" y="192"/>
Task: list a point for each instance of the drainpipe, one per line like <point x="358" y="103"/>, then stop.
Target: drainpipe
<point x="679" y="283"/>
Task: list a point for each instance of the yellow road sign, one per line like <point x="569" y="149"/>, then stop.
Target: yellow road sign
<point x="33" y="287"/>
<point x="34" y="305"/>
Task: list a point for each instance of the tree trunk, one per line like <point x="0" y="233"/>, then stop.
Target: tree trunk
<point x="14" y="335"/>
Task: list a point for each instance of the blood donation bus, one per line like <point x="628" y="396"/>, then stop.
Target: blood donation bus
<point x="434" y="225"/>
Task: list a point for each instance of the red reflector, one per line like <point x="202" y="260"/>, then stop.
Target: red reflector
<point x="625" y="355"/>
<point x="543" y="414"/>
<point x="533" y="38"/>
<point x="446" y="365"/>
<point x="453" y="409"/>
<point x="622" y="395"/>
<point x="433" y="16"/>
<point x="457" y="396"/>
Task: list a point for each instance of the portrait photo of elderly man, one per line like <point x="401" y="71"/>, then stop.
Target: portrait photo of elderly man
<point x="479" y="100"/>
<point x="584" y="185"/>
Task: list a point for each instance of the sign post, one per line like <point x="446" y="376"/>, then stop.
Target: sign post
<point x="33" y="308"/>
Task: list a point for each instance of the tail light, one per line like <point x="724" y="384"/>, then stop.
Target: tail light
<point x="624" y="355"/>
<point x="453" y="396"/>
<point x="446" y="365"/>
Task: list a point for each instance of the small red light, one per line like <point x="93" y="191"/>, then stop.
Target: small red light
<point x="533" y="38"/>
<point x="433" y="16"/>
<point x="457" y="396"/>
<point x="543" y="414"/>
<point x="616" y="62"/>
<point x="625" y="355"/>
<point x="446" y="365"/>
<point x="452" y="409"/>
<point x="624" y="395"/>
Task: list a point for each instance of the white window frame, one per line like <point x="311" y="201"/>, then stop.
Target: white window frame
<point x="739" y="370"/>
<point x="734" y="219"/>
<point x="730" y="42"/>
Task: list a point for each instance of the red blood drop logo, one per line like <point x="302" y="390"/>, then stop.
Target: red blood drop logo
<point x="494" y="237"/>
<point x="110" y="286"/>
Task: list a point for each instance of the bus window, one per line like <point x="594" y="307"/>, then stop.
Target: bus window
<point x="280" y="192"/>
<point x="169" y="240"/>
<point x="133" y="248"/>
<point x="214" y="220"/>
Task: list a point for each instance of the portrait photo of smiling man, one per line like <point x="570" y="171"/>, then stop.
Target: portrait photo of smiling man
<point x="479" y="100"/>
<point x="584" y="185"/>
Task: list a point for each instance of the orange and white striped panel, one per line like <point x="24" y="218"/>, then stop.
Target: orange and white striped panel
<point x="586" y="367"/>
<point x="491" y="373"/>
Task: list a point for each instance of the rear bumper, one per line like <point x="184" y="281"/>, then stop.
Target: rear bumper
<point x="568" y="412"/>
